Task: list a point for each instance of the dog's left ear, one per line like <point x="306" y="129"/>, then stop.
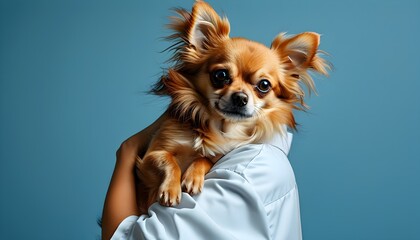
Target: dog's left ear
<point x="299" y="53"/>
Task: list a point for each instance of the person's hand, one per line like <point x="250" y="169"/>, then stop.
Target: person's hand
<point x="121" y="199"/>
<point x="137" y="144"/>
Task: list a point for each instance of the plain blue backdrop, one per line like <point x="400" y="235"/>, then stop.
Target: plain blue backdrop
<point x="73" y="76"/>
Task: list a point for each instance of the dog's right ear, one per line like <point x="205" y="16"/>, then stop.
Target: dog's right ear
<point x="197" y="32"/>
<point x="207" y="27"/>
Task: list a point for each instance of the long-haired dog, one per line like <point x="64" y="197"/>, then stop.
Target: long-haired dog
<point x="225" y="92"/>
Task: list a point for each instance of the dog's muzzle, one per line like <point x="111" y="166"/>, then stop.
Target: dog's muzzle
<point x="236" y="106"/>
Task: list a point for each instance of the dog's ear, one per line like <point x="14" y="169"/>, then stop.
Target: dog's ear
<point x="300" y="51"/>
<point x="206" y="27"/>
<point x="299" y="54"/>
<point x="196" y="32"/>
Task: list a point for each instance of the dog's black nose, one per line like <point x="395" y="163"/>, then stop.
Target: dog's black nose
<point x="239" y="99"/>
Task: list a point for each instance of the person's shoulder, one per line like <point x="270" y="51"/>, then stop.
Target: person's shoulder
<point x="265" y="166"/>
<point x="238" y="159"/>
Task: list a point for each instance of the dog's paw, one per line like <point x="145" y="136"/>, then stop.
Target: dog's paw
<point x="192" y="183"/>
<point x="169" y="196"/>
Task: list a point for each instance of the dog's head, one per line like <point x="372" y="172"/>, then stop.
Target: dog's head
<point x="236" y="79"/>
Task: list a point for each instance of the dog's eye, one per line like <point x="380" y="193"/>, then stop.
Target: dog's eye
<point x="220" y="78"/>
<point x="264" y="86"/>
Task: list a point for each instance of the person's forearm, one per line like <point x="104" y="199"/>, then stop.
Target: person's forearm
<point x="121" y="199"/>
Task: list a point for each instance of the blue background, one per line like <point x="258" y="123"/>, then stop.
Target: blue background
<point x="73" y="76"/>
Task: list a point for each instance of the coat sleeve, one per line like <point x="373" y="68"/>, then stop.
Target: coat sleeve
<point x="228" y="208"/>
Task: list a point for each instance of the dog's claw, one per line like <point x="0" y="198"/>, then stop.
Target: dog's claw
<point x="169" y="197"/>
<point x="191" y="184"/>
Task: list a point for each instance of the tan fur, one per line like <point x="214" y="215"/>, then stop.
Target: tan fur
<point x="200" y="128"/>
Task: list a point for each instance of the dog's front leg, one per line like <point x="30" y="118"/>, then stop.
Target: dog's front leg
<point x="164" y="164"/>
<point x="193" y="178"/>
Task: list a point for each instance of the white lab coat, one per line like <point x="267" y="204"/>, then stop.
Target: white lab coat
<point x="250" y="193"/>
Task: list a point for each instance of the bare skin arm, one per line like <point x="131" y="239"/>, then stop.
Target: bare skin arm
<point x="120" y="201"/>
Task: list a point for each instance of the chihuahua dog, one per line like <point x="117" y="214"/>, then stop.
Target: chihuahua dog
<point x="225" y="92"/>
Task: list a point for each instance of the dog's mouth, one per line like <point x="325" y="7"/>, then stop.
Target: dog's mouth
<point x="232" y="112"/>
